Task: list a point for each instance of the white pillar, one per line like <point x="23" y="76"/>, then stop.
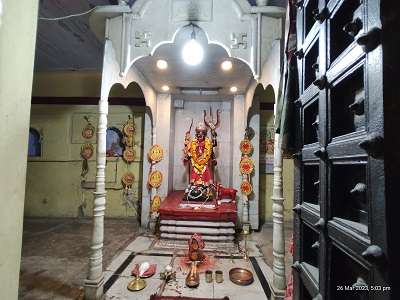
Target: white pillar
<point x="95" y="280"/>
<point x="146" y="192"/>
<point x="253" y="205"/>
<point x="164" y="132"/>
<point x="238" y="127"/>
<point x="278" y="243"/>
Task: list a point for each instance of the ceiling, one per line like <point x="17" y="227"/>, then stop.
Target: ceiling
<point x="207" y="75"/>
<point x="69" y="44"/>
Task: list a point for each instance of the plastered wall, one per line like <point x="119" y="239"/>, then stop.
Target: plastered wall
<point x="17" y="44"/>
<point x="183" y="117"/>
<point x="266" y="181"/>
<point x="54" y="186"/>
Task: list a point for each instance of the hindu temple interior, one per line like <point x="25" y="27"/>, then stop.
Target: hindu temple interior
<point x="199" y="149"/>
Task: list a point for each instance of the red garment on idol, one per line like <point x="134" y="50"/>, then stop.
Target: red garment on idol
<point x="205" y="177"/>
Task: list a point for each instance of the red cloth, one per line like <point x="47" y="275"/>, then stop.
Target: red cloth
<point x="289" y="288"/>
<point x="170" y="210"/>
<point x="150" y="271"/>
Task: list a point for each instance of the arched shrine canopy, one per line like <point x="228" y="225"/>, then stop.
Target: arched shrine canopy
<point x="250" y="34"/>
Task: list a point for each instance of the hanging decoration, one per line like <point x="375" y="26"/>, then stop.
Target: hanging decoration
<point x="128" y="155"/>
<point x="129" y="127"/>
<point x="87" y="151"/>
<point x="246" y="165"/>
<point x="246" y="187"/>
<point x="127" y="179"/>
<point x="156" y="153"/>
<point x="246" y="147"/>
<point x="155" y="203"/>
<point x="129" y="132"/>
<point x="88" y="131"/>
<point x="155" y="179"/>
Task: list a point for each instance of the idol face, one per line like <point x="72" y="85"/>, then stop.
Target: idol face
<point x="200" y="135"/>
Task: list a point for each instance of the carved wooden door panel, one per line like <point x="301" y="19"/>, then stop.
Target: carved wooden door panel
<point x="340" y="223"/>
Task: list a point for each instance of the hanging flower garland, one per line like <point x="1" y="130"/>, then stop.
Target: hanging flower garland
<point x="129" y="132"/>
<point x="87" y="149"/>
<point x="246" y="187"/>
<point x="155" y="155"/>
<point x="155" y="204"/>
<point x="129" y="156"/>
<point x="155" y="179"/>
<point x="246" y="165"/>
<point x="246" y="147"/>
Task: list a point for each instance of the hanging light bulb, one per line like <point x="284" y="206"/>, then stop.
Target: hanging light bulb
<point x="192" y="52"/>
<point x="233" y="89"/>
<point x="162" y="64"/>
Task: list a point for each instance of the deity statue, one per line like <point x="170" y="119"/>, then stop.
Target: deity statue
<point x="199" y="153"/>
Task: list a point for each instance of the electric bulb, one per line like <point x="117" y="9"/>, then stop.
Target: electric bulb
<point x="192" y="53"/>
<point x="226" y="65"/>
<point x="162" y="64"/>
<point x="233" y="89"/>
<point x="165" y="88"/>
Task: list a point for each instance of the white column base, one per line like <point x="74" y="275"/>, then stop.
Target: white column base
<point x="277" y="294"/>
<point x="94" y="288"/>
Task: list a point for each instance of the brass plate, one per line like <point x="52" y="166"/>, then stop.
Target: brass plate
<point x="136" y="285"/>
<point x="241" y="276"/>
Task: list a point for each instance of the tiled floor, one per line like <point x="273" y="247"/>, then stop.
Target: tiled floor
<point x="55" y="255"/>
<point x="118" y="289"/>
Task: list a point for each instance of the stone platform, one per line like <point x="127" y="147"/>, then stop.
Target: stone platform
<point x="117" y="275"/>
<point x="179" y="219"/>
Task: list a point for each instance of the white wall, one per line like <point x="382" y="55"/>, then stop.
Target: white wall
<point x="183" y="117"/>
<point x="17" y="46"/>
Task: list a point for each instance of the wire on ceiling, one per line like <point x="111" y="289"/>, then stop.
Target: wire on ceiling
<point x="67" y="17"/>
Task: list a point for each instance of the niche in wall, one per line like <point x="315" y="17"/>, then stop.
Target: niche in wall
<point x="114" y="146"/>
<point x="35" y="143"/>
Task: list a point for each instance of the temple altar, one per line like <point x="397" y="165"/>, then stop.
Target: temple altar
<point x="196" y="64"/>
<point x="179" y="222"/>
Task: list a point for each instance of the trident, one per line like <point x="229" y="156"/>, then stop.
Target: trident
<point x="209" y="121"/>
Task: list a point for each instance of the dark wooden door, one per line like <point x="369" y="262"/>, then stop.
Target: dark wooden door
<point x="341" y="224"/>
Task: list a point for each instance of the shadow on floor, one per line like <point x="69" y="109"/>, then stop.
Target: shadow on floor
<point x="55" y="254"/>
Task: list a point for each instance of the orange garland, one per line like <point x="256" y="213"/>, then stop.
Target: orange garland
<point x="246" y="187"/>
<point x="199" y="163"/>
